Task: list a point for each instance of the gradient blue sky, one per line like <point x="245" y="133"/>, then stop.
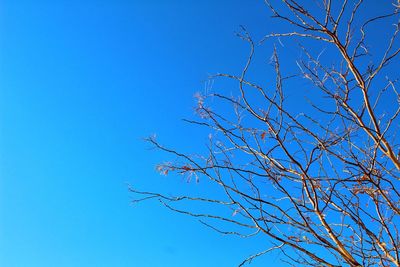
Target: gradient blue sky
<point x="81" y="84"/>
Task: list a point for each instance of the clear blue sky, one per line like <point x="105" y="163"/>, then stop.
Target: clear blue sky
<point x="81" y="83"/>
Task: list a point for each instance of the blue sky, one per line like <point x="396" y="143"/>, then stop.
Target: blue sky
<point x="81" y="84"/>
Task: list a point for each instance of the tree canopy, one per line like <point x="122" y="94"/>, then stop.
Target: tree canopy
<point x="310" y="157"/>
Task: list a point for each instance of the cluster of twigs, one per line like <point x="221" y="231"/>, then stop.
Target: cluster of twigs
<point x="322" y="181"/>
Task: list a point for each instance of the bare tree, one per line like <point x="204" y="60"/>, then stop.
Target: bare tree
<point x="321" y="179"/>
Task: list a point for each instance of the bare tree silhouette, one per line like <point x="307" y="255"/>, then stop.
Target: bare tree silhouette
<point x="321" y="180"/>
